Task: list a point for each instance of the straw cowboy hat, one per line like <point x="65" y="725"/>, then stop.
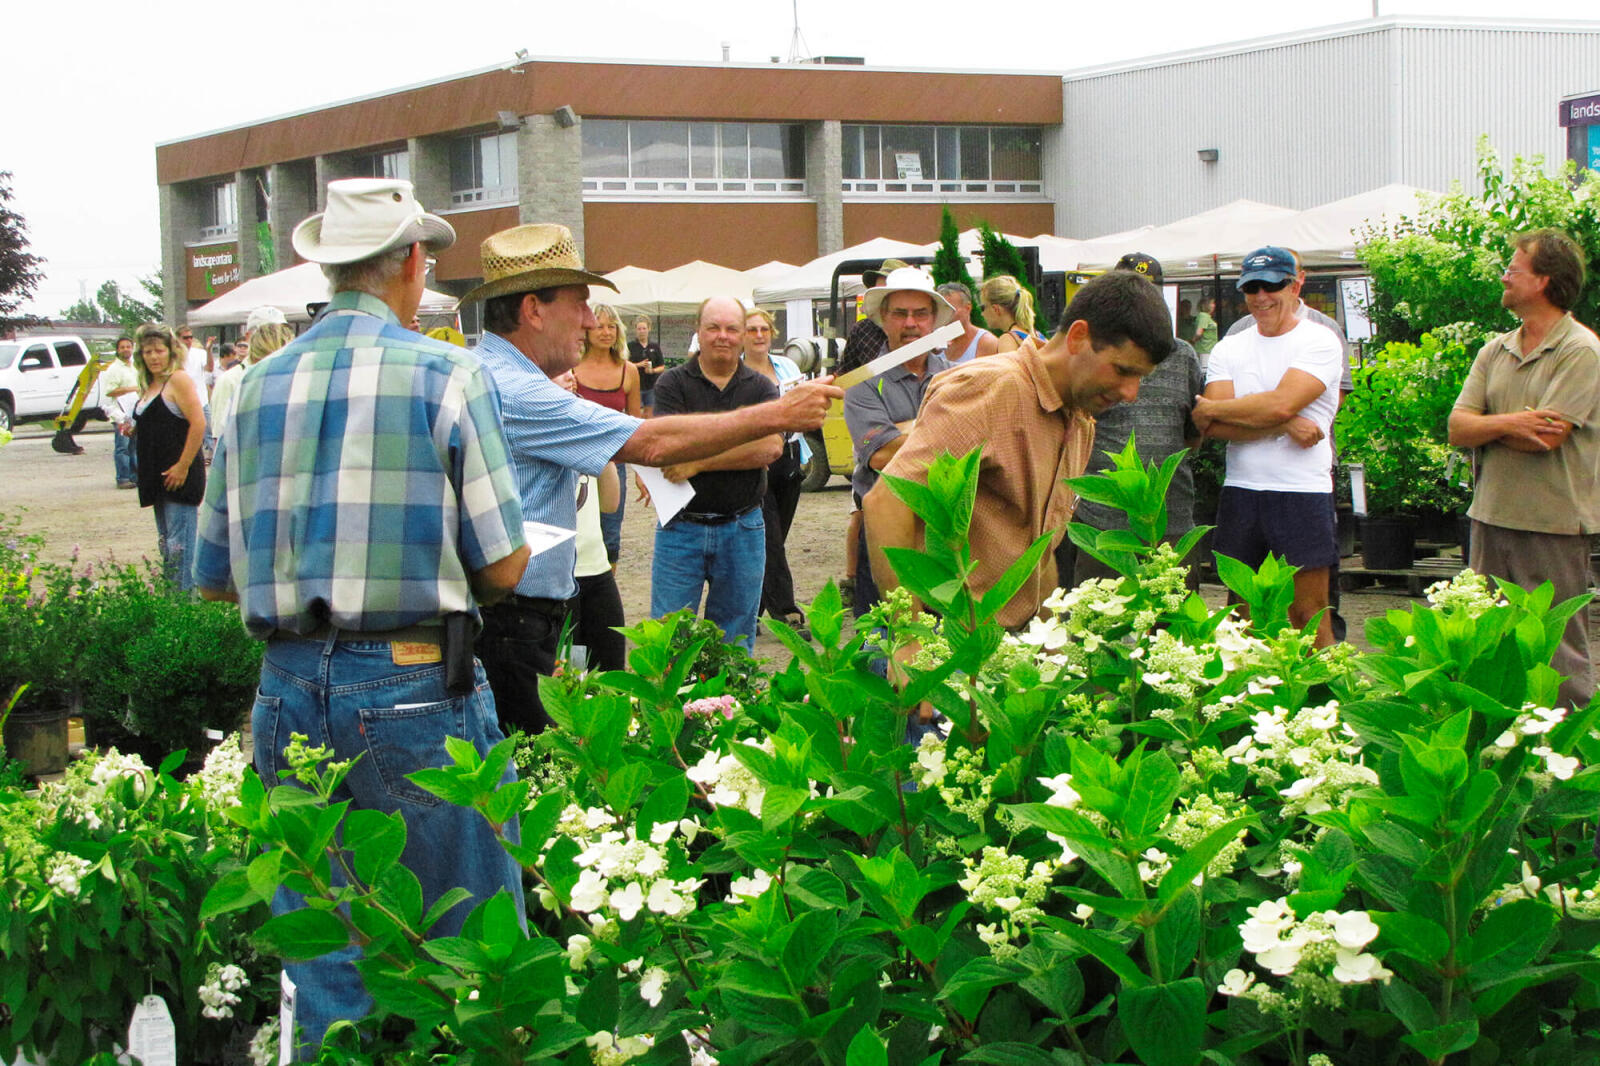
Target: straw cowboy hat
<point x="908" y="279"/>
<point x="367" y="217"/>
<point x="525" y="258"/>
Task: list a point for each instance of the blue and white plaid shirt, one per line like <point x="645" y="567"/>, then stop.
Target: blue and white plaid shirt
<point x="361" y="478"/>
<point x="553" y="436"/>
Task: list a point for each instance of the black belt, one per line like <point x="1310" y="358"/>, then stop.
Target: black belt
<point x="538" y="605"/>
<point x="712" y="519"/>
<point x="433" y="634"/>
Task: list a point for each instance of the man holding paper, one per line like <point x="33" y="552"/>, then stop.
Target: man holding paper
<point x="881" y="410"/>
<point x="535" y="297"/>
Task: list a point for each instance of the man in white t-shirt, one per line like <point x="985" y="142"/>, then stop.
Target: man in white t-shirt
<point x="1272" y="392"/>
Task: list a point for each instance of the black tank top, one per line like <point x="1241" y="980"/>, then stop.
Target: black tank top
<point x="158" y="440"/>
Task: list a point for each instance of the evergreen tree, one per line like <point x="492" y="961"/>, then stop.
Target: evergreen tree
<point x="1000" y="256"/>
<point x="950" y="265"/>
<point x="19" y="268"/>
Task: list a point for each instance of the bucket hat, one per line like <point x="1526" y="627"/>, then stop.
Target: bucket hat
<point x="907" y="279"/>
<point x="540" y="255"/>
<point x="367" y="217"/>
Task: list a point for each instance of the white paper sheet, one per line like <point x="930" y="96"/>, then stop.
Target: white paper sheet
<point x="541" y="537"/>
<point x="667" y="497"/>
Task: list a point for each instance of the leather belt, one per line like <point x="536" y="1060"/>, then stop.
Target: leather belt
<point x="703" y="519"/>
<point x="407" y="634"/>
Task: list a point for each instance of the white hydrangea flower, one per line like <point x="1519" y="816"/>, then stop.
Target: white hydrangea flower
<point x="752" y="887"/>
<point x="1236" y="983"/>
<point x="219" y="992"/>
<point x="64" y="872"/>
<point x="1356" y="969"/>
<point x="579" y="948"/>
<point x="652" y="985"/>
<point x="627" y="901"/>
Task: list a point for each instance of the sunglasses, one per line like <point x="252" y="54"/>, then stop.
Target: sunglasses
<point x="1250" y="288"/>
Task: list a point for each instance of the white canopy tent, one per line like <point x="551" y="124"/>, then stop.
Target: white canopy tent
<point x="289" y="291"/>
<point x="678" y="291"/>
<point x="1189" y="244"/>
<point x="1215" y="240"/>
<point x="812" y="281"/>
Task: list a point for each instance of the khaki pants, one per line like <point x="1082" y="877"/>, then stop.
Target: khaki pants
<point x="1529" y="560"/>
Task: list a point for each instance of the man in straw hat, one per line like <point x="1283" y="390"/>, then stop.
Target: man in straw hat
<point x="361" y="505"/>
<point x="535" y="297"/>
<point x="880" y="411"/>
<point x="1033" y="412"/>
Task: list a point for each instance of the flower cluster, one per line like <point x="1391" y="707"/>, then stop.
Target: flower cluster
<point x="1533" y="722"/>
<point x="958" y="776"/>
<point x="219" y="993"/>
<point x="1172" y="668"/>
<point x="627" y="874"/>
<point x="1311" y="747"/>
<point x="1011" y="885"/>
<point x="726" y="781"/>
<point x="1318" y="954"/>
<point x="1199" y="816"/>
<point x="265" y="1045"/>
<point x="710" y="707"/>
<point x="1467" y="591"/>
<point x="217" y="783"/>
<point x="96" y="791"/>
<point x="64" y="873"/>
<point x="609" y="1049"/>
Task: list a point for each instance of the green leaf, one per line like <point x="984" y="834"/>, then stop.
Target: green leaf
<point x="1177" y="936"/>
<point x="665" y="804"/>
<point x="1412" y="935"/>
<point x="1512" y="933"/>
<point x="625" y="785"/>
<point x="1010" y="1053"/>
<point x="1165" y="1023"/>
<point x="866" y="1049"/>
<point x="301" y="935"/>
<point x="1155" y="785"/>
<point x="780" y="805"/>
<point x="1194" y="861"/>
<point x="231" y="892"/>
<point x="598" y="1005"/>
<point x="1108" y="951"/>
<point x="968" y="987"/>
<point x="1436" y="1043"/>
<point x="375" y="841"/>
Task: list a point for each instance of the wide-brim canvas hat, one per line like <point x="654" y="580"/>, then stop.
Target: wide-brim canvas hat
<point x="908" y="279"/>
<point x="367" y="217"/>
<point x="540" y="255"/>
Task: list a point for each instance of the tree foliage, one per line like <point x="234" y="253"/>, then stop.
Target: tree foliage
<point x="950" y="265"/>
<point x="1000" y="256"/>
<point x="20" y="271"/>
<point x="111" y="304"/>
<point x="1442" y="266"/>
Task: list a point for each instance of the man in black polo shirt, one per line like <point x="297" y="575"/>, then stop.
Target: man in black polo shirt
<point x="718" y="542"/>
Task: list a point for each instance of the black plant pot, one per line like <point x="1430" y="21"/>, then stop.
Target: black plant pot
<point x="1388" y="542"/>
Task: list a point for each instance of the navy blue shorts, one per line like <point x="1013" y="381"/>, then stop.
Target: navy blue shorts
<point x="1298" y="527"/>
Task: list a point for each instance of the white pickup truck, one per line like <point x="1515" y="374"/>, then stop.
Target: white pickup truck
<point x="37" y="375"/>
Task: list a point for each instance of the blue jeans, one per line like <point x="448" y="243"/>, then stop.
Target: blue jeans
<point x="351" y="697"/>
<point x="611" y="524"/>
<point x="124" y="460"/>
<point x="176" y="525"/>
<point x="730" y="558"/>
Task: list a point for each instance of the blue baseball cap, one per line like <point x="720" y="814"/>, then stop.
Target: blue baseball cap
<point x="1271" y="263"/>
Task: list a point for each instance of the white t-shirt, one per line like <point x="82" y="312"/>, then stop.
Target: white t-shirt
<point x="196" y="366"/>
<point x="592" y="558"/>
<point x="1257" y="364"/>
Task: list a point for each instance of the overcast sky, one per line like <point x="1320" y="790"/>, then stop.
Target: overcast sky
<point x="93" y="86"/>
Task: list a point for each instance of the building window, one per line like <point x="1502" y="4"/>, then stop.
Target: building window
<point x="395" y="163"/>
<point x="693" y="158"/>
<point x="483" y="169"/>
<point x="943" y="160"/>
<point x="219" y="211"/>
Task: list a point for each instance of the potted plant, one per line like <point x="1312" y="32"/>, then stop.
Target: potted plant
<point x="1395" y="425"/>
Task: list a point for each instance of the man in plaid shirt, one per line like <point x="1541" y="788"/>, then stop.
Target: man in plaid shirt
<point x="361" y="492"/>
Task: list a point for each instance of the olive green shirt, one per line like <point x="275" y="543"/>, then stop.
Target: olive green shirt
<point x="1547" y="492"/>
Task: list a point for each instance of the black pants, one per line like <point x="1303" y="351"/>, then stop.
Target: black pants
<point x="518" y="644"/>
<point x="599" y="612"/>
<point x="777" y="508"/>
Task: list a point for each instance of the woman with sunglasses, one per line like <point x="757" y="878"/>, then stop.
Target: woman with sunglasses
<point x="169" y="430"/>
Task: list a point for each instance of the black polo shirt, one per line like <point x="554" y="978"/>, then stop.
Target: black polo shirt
<point x="685" y="390"/>
<point x="652" y="352"/>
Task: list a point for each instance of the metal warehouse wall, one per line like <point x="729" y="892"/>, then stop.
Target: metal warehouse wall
<point x="1298" y="122"/>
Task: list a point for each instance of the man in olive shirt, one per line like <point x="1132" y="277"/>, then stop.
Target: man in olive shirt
<point x="1531" y="408"/>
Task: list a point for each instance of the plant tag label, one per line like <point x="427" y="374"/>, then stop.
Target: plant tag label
<point x="151" y="1035"/>
<point x="285" y="1019"/>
